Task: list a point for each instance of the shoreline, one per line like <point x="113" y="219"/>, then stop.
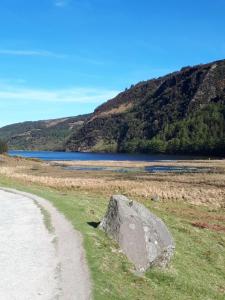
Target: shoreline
<point x="206" y="156"/>
<point x="117" y="158"/>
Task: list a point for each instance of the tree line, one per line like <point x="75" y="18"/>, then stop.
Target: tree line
<point x="3" y="147"/>
<point x="202" y="133"/>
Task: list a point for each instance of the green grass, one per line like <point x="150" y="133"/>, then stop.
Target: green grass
<point x="197" y="270"/>
<point x="46" y="217"/>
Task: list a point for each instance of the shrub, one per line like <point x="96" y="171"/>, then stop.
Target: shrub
<point x="3" y="147"/>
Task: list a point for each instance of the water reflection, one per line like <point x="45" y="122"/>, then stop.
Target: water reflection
<point x="173" y="169"/>
<point x="148" y="169"/>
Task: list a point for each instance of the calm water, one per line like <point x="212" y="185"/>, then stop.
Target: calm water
<point x="48" y="155"/>
<point x="172" y="169"/>
<point x="112" y="169"/>
<point x="151" y="169"/>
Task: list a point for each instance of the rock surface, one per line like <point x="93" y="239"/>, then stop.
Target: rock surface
<point x="142" y="236"/>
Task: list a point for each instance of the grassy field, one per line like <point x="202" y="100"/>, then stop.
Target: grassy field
<point x="197" y="270"/>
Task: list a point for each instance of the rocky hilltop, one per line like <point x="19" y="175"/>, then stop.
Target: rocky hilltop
<point x="182" y="112"/>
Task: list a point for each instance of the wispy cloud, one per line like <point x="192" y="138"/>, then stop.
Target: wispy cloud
<point x="69" y="95"/>
<point x="61" y="3"/>
<point x="11" y="80"/>
<point x="51" y="54"/>
<point x="42" y="53"/>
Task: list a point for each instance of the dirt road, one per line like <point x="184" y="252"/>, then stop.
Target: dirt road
<point x="40" y="257"/>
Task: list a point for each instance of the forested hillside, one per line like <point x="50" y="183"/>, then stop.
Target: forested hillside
<point x="183" y="112"/>
<point x="41" y="135"/>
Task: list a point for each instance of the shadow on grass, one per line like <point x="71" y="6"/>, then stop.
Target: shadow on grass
<point x="94" y="224"/>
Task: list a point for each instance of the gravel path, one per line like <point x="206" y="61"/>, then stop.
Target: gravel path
<point x="39" y="261"/>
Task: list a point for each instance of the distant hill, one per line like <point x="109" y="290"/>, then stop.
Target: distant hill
<point x="183" y="112"/>
<point x="41" y="135"/>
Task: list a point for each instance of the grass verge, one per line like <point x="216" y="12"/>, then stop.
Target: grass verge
<point x="196" y="271"/>
<point x="46" y="217"/>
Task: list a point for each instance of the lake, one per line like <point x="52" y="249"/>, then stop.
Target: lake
<point x="67" y="156"/>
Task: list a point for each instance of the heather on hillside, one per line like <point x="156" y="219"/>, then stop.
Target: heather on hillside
<point x="183" y="112"/>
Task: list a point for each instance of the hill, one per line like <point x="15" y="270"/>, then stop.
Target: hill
<point x="183" y="112"/>
<point x="41" y="135"/>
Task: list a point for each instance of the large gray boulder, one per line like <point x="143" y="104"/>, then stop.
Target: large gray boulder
<point x="142" y="236"/>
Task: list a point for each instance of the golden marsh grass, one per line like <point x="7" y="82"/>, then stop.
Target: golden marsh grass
<point x="195" y="188"/>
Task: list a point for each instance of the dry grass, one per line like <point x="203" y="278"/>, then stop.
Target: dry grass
<point x="114" y="111"/>
<point x="201" y="189"/>
<point x="216" y="164"/>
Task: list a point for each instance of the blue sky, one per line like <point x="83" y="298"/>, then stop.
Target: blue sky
<point x="65" y="57"/>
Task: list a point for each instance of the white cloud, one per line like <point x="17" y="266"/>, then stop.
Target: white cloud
<point x="72" y="95"/>
<point x="42" y="53"/>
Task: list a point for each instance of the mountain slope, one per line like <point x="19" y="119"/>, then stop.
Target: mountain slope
<point x="41" y="135"/>
<point x="181" y="112"/>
